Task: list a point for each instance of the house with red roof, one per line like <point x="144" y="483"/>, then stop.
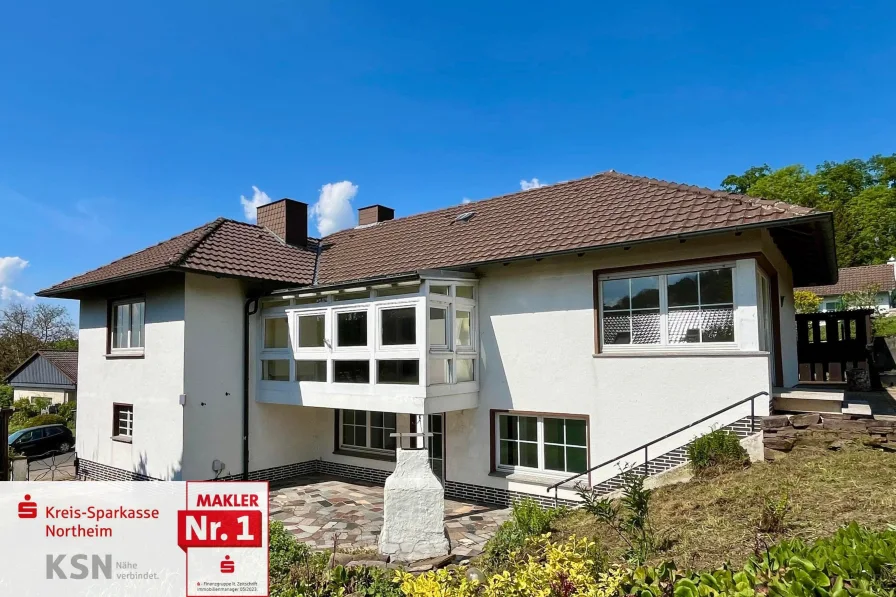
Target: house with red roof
<point x="862" y="278"/>
<point x="531" y="340"/>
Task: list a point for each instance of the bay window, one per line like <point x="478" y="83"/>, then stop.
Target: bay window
<point x="366" y="430"/>
<point x="549" y="444"/>
<point x="668" y="309"/>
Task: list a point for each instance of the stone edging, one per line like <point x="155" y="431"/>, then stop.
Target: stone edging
<point x="782" y="432"/>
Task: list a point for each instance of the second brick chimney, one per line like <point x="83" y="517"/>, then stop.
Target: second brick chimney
<point x="287" y="219"/>
<point x="374" y="213"/>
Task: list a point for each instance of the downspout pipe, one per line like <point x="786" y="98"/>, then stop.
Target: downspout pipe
<point x="251" y="308"/>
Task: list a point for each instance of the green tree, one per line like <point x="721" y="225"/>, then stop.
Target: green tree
<point x="24" y="329"/>
<point x="741" y="184"/>
<point x="861" y="194"/>
<point x="806" y="301"/>
<point x="861" y="299"/>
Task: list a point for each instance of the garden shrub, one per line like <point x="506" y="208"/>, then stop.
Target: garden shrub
<point x="296" y="571"/>
<point x="551" y="569"/>
<point x="45" y="420"/>
<point x="716" y="451"/>
<point x="628" y="517"/>
<point x="854" y="562"/>
<point x="528" y="519"/>
<point x="773" y="517"/>
<point x="884" y="327"/>
<point x="6" y="394"/>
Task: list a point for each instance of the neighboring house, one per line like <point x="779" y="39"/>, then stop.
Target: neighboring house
<point x="533" y="334"/>
<point x="858" y="279"/>
<point x="49" y="374"/>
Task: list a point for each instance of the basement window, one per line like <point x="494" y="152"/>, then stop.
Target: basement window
<point x="551" y="445"/>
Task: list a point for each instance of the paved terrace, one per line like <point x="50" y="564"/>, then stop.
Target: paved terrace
<point x="318" y="509"/>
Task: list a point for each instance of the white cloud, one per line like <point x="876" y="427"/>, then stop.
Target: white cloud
<point x="258" y="199"/>
<point x="9" y="267"/>
<point x="531" y="184"/>
<point x="466" y="200"/>
<point x="10" y="294"/>
<point x="333" y="210"/>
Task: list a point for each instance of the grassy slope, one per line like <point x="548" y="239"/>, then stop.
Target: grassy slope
<point x="710" y="521"/>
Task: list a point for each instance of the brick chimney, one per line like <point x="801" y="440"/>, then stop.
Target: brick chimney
<point x="287" y="219"/>
<point x="374" y="213"/>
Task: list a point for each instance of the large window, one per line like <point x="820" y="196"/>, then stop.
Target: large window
<point x="127" y="324"/>
<point x="364" y="430"/>
<point x="668" y="309"/>
<point x="549" y="444"/>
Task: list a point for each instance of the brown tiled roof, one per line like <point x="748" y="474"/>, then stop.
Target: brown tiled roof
<point x="853" y="279"/>
<point x="65" y="360"/>
<point x="605" y="209"/>
<point x="224" y="247"/>
<point x="601" y="210"/>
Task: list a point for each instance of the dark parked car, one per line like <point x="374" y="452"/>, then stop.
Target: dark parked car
<point x="37" y="441"/>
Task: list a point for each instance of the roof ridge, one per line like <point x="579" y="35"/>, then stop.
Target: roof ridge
<point x="190" y="248"/>
<point x="522" y="193"/>
<point x="782" y="206"/>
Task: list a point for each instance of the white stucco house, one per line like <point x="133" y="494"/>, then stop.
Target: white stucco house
<point x="535" y="335"/>
<point x="860" y="279"/>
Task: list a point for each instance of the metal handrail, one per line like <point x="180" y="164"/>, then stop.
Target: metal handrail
<point x="750" y="399"/>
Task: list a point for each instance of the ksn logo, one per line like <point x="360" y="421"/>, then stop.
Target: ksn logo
<point x="227" y="566"/>
<point x="27" y="508"/>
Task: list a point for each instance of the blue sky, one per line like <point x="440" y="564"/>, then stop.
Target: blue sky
<point x="122" y="124"/>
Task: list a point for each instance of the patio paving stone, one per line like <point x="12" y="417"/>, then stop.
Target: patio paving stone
<point x="317" y="508"/>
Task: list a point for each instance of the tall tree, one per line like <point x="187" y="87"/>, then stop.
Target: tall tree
<point x="860" y="193"/>
<point x="25" y="329"/>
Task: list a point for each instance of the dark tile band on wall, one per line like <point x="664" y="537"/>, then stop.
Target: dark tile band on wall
<point x="453" y="489"/>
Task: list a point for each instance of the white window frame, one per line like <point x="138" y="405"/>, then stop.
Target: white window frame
<point x="392" y="306"/>
<point x="540" y="442"/>
<point x="368" y="436"/>
<point x="127" y="349"/>
<point x="334" y="334"/>
<point x="664" y="345"/>
<point x="310" y="350"/>
<point x="117" y="410"/>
